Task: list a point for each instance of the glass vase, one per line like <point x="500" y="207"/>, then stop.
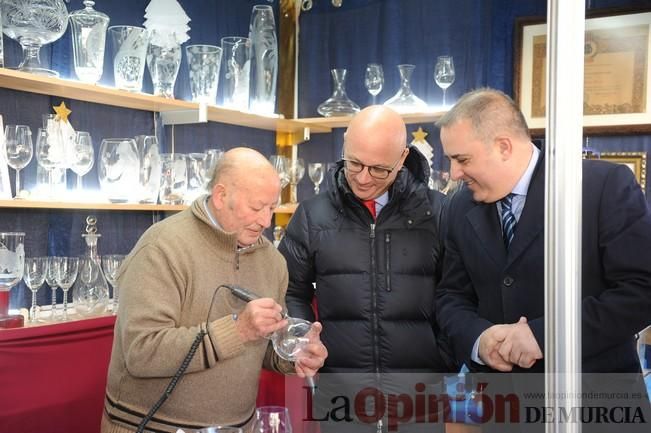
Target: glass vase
<point x="90" y="292"/>
<point x="338" y="104"/>
<point x="34" y="23"/>
<point x="88" y="42"/>
<point x="405" y="101"/>
<point x="163" y="62"/>
<point x="264" y="60"/>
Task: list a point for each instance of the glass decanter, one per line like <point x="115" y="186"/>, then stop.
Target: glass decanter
<point x="404" y="101"/>
<point x="88" y="42"/>
<point x="34" y="23"/>
<point x="90" y="292"/>
<point x="338" y="104"/>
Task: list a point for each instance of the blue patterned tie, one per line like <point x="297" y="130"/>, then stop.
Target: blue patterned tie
<point x="508" y="220"/>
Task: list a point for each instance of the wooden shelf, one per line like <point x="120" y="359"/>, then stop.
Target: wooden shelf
<point x="77" y="90"/>
<point x="317" y="124"/>
<point x="33" y="204"/>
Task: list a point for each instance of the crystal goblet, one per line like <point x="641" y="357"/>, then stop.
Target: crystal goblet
<point x="316" y="171"/>
<point x="18" y="142"/>
<point x="34" y="23"/>
<point x="444" y="73"/>
<point x="51" y="278"/>
<point x="68" y="268"/>
<point x="34" y="277"/>
<point x="296" y="172"/>
<point x="374" y="80"/>
<point x="83" y="158"/>
<point x="111" y="264"/>
<point x="272" y="419"/>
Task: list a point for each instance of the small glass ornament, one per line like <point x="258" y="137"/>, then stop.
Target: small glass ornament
<point x="338" y="104"/>
<point x="404" y="101"/>
<point x="90" y="292"/>
<point x="88" y="42"/>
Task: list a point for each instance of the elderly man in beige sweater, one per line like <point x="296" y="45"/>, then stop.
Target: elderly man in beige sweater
<point x="171" y="291"/>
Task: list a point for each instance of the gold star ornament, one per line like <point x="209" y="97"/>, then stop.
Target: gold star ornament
<point x="62" y="112"/>
<point x="420" y="134"/>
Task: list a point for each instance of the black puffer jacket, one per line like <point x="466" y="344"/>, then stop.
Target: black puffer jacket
<point x="374" y="281"/>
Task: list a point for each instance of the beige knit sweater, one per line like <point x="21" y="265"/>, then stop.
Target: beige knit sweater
<point x="167" y="293"/>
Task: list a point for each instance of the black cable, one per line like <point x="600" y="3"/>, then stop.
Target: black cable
<point x="184" y="365"/>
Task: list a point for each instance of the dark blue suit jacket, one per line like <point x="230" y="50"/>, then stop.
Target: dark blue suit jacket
<point x="484" y="285"/>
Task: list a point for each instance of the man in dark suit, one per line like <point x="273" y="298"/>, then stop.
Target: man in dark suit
<point x="491" y="298"/>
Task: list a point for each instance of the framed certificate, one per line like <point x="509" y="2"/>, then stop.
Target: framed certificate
<point x="636" y="161"/>
<point x="617" y="77"/>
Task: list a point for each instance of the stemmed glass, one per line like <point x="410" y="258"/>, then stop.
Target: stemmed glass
<point x="316" y="171"/>
<point x="111" y="264"/>
<point x="18" y="141"/>
<point x="272" y="419"/>
<point x="34" y="277"/>
<point x="49" y="153"/>
<point x="83" y="157"/>
<point x="296" y="172"/>
<point x="374" y="80"/>
<point x="281" y="165"/>
<point x="68" y="268"/>
<point x="444" y="73"/>
<point x="51" y="278"/>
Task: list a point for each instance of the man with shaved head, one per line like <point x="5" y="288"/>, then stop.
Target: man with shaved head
<point x="371" y="246"/>
<point x="173" y="294"/>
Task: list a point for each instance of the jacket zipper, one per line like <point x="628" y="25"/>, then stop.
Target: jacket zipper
<point x="387" y="260"/>
<point x="374" y="325"/>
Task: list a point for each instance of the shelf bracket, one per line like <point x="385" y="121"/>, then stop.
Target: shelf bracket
<point x="184" y="117"/>
<point x="287" y="139"/>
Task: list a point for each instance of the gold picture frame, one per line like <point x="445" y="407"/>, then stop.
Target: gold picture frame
<point x="636" y="161"/>
<point x="617" y="81"/>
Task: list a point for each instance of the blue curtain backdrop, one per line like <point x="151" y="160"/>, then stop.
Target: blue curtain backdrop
<point x="478" y="33"/>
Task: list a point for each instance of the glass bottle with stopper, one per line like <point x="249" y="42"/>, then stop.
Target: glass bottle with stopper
<point x="90" y="292"/>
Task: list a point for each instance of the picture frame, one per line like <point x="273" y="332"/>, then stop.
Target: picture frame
<point x="617" y="87"/>
<point x="636" y="161"/>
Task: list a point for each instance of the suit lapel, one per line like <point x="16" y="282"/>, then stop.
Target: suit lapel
<point x="532" y="221"/>
<point x="484" y="220"/>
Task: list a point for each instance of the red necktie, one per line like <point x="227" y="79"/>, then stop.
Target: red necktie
<point x="370" y="205"/>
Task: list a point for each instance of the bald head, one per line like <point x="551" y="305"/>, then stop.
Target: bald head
<point x="241" y="163"/>
<point x="376" y="138"/>
<point x="380" y="126"/>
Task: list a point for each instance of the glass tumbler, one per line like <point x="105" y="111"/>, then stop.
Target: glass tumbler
<point x="129" y="45"/>
<point x="173" y="179"/>
<point x="204" y="62"/>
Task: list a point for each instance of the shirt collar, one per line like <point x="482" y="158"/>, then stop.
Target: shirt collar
<point x="522" y="186"/>
<point x="383" y="199"/>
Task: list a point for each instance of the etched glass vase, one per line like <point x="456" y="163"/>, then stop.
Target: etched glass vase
<point x="264" y="60"/>
<point x="338" y="104"/>
<point x="405" y="101"/>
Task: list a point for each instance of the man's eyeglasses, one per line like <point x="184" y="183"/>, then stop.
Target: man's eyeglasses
<point x="375" y="171"/>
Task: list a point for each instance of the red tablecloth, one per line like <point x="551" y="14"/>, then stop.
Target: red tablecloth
<point x="53" y="379"/>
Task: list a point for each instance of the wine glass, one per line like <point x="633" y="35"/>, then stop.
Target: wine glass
<point x="49" y="153"/>
<point x="444" y="73"/>
<point x="34" y="277"/>
<point x="296" y="172"/>
<point x="51" y="278"/>
<point x="83" y="157"/>
<point x="18" y="141"/>
<point x="272" y="419"/>
<point x="316" y="171"/>
<point x="374" y="80"/>
<point x="281" y="164"/>
<point x="111" y="264"/>
<point x="68" y="268"/>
